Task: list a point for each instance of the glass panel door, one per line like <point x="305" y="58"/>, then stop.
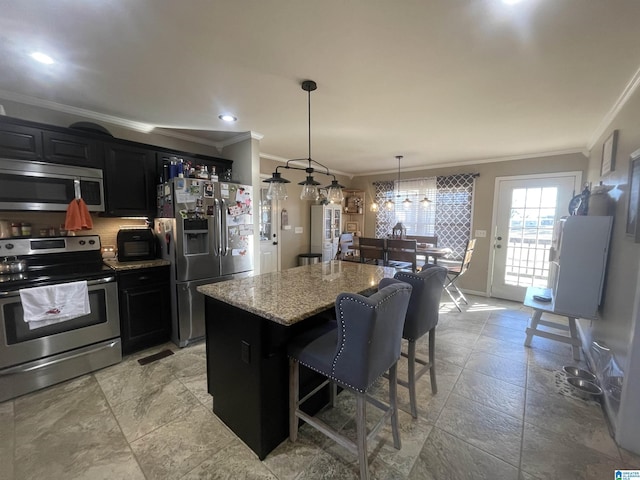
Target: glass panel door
<point x="526" y="211"/>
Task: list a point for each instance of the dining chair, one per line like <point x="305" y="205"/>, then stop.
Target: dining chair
<point x="422" y="318"/>
<point x="401" y="254"/>
<point x="454" y="272"/>
<point x="372" y="250"/>
<point x="345" y="246"/>
<point x="365" y="345"/>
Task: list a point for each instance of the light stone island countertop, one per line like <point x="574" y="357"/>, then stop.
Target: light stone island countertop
<point x="135" y="265"/>
<point x="292" y="295"/>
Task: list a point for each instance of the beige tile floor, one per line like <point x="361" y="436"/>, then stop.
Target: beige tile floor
<point x="497" y="415"/>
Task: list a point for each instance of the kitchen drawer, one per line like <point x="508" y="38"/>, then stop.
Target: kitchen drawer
<point x="141" y="276"/>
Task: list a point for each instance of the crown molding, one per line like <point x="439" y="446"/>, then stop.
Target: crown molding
<point x="479" y="161"/>
<point x="80" y="112"/>
<point x="187" y="138"/>
<point x="123" y="122"/>
<point x="241" y="137"/>
<point x="624" y="97"/>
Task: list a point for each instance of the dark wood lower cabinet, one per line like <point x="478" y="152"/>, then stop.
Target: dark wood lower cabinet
<point x="145" y="308"/>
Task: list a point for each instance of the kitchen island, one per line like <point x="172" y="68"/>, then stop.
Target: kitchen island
<point x="249" y="322"/>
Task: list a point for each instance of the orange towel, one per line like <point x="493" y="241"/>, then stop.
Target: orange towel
<point x="78" y="216"/>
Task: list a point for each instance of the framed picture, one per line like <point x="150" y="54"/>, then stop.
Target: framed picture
<point x="633" y="223"/>
<point x="351" y="227"/>
<point x="609" y="154"/>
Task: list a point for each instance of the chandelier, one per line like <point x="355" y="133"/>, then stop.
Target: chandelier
<point x="406" y="202"/>
<point x="277" y="189"/>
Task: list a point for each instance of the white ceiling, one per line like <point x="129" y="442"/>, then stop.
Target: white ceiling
<point x="439" y="81"/>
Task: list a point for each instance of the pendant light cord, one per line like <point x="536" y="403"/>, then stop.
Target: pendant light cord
<point x="309" y="123"/>
<point x="399" y="157"/>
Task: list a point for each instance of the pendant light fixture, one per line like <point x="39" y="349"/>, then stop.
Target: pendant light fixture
<point x="399" y="230"/>
<point x="277" y="188"/>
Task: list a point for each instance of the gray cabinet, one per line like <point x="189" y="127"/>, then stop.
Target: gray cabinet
<point x="578" y="260"/>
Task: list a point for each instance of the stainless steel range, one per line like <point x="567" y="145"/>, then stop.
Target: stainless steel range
<point x="31" y="359"/>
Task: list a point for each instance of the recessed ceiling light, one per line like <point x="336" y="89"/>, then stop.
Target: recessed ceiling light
<point x="227" y="118"/>
<point x="42" y="58"/>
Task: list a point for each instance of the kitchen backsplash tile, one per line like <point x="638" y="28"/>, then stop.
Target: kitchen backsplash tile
<point x="107" y="228"/>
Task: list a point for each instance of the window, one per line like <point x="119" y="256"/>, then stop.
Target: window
<point x="448" y="215"/>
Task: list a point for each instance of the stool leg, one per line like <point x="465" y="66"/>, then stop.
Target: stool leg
<point x="294" y="380"/>
<point x="432" y="360"/>
<point x="411" y="361"/>
<point x="393" y="402"/>
<point x="361" y="433"/>
<point x="531" y="331"/>
<point x="333" y="391"/>
<point x="574" y="336"/>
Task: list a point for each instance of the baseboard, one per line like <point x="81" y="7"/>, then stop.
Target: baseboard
<point x="474" y="292"/>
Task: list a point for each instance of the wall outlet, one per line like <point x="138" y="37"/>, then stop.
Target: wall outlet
<point x="298" y="230"/>
<point x="481" y="233"/>
<point x="286" y="227"/>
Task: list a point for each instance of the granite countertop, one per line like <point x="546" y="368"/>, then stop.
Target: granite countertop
<point x="120" y="266"/>
<point x="292" y="295"/>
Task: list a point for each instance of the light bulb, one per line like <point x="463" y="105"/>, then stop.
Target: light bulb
<point x="309" y="192"/>
<point x="334" y="195"/>
<point x="276" y="191"/>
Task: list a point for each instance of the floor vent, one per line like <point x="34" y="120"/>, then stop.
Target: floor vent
<point x="154" y="357"/>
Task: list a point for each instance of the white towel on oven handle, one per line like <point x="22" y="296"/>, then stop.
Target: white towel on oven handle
<point x="54" y="303"/>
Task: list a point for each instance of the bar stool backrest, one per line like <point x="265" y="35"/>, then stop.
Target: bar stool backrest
<point x="369" y="334"/>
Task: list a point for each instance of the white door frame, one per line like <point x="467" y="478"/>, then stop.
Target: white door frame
<point x="275" y="225"/>
<point x="494" y="216"/>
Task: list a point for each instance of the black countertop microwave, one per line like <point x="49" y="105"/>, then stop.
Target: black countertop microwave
<point x="135" y="244"/>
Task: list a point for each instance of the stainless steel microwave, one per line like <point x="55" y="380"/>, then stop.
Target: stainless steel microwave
<point x="31" y="185"/>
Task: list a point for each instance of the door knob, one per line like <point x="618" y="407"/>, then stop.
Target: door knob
<point x="499" y="238"/>
<point x="498" y="246"/>
<point x="275" y="243"/>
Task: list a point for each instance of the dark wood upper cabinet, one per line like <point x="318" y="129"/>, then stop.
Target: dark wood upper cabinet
<point x="20" y="142"/>
<point x="72" y="150"/>
<point x="131" y="170"/>
<point x="130" y="179"/>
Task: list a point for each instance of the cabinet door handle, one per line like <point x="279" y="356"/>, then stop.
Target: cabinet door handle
<point x="144" y="277"/>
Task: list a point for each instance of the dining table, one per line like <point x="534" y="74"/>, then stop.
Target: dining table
<point x="249" y="323"/>
<point x="429" y="251"/>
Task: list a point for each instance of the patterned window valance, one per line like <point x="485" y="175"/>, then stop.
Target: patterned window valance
<point x="448" y="216"/>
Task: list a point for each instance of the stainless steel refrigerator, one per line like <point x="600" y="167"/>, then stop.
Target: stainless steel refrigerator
<point x="205" y="230"/>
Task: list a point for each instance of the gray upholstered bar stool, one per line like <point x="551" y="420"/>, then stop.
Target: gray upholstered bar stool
<point x="422" y="318"/>
<point x="365" y="345"/>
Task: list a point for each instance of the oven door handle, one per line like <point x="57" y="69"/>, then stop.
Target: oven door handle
<point x="99" y="281"/>
<point x="23" y="369"/>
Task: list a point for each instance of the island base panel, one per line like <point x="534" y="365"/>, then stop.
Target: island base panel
<point x="247" y="374"/>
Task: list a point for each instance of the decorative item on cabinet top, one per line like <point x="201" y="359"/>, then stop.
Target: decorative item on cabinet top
<point x="354" y="203"/>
